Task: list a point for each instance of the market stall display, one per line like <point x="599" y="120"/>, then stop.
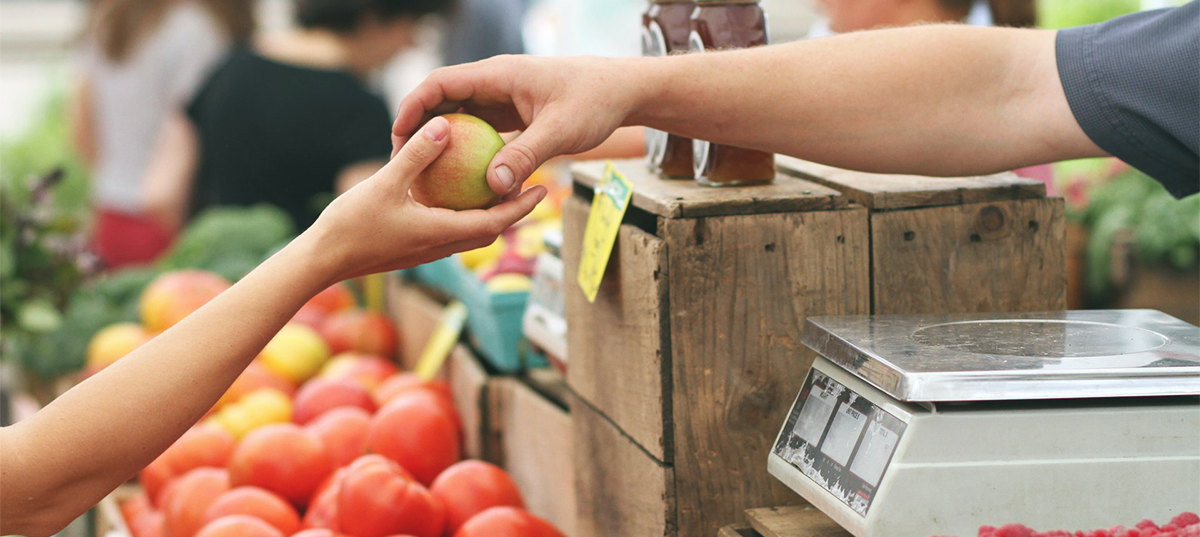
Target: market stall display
<point x="304" y="464"/>
<point x="680" y="369"/>
<point x="902" y="416"/>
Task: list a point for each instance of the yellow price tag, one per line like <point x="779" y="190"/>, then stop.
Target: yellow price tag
<point x="608" y="208"/>
<point x="442" y="341"/>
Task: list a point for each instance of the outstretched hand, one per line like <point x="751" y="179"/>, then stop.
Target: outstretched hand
<point x="377" y="226"/>
<point x="562" y="106"/>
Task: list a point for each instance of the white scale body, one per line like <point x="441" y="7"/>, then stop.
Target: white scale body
<point x="914" y="426"/>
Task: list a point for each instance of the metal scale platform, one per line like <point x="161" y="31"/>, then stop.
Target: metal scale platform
<point x="920" y="425"/>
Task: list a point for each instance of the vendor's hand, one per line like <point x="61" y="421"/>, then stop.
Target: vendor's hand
<point x="376" y="226"/>
<point x="562" y="105"/>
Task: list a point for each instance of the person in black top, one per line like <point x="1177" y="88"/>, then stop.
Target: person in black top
<point x="287" y="120"/>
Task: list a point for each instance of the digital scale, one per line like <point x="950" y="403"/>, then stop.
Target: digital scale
<point x="922" y="425"/>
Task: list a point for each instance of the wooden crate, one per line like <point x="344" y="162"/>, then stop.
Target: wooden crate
<point x="535" y="447"/>
<point x="690" y="358"/>
<point x="793" y="521"/>
<point x="469" y="388"/>
<point x="956" y="245"/>
<point x="416" y="313"/>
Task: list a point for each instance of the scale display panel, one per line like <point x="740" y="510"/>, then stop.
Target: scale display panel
<point x="840" y="440"/>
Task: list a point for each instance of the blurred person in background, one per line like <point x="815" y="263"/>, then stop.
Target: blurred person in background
<point x="138" y="61"/>
<point x="843" y="16"/>
<point x="288" y="119"/>
<point x="480" y="29"/>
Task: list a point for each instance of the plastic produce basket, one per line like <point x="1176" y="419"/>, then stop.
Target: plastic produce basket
<point x="494" y="320"/>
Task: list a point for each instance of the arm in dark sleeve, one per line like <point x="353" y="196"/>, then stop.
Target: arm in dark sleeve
<point x="1133" y="84"/>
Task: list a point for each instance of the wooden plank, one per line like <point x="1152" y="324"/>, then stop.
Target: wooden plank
<point x="737" y="530"/>
<point x="620" y="488"/>
<point x="740" y="289"/>
<point x="687" y="199"/>
<point x="1003" y="256"/>
<point x="415" y="314"/>
<point x="793" y="521"/>
<point x="619" y="352"/>
<point x="537" y="441"/>
<point x="885" y="192"/>
<point x="468" y="382"/>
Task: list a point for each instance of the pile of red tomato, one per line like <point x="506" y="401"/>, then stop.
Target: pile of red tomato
<point x="359" y="450"/>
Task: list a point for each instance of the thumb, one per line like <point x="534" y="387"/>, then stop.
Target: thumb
<point x="518" y="160"/>
<point x="418" y="152"/>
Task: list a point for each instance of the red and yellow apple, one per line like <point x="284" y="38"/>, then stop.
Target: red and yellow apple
<point x="458" y="178"/>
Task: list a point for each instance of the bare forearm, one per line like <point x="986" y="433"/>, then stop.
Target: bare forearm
<point x="103" y="431"/>
<point x="933" y="100"/>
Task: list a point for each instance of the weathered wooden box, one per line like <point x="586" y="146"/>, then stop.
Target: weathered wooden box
<point x="683" y="369"/>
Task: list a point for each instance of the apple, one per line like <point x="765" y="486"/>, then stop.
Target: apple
<point x="458" y="178"/>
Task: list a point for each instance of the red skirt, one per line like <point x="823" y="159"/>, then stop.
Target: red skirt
<point x="124" y="239"/>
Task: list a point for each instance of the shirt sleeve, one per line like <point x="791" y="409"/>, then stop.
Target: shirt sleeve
<point x="1133" y="84"/>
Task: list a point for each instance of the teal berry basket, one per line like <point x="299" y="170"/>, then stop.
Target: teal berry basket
<point x="494" y="320"/>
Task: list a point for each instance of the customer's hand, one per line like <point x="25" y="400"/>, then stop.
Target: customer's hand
<point x="376" y="226"/>
<point x="562" y="105"/>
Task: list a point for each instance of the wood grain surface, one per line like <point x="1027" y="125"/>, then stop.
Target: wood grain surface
<point x="740" y="289"/>
<point x="687" y="199"/>
<point x="537" y="438"/>
<point x="1000" y="256"/>
<point x="620" y="488"/>
<point x="619" y="353"/>
<point x="885" y="192"/>
<point x="793" y="521"/>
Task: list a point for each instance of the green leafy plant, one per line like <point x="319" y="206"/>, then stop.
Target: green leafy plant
<point x="1165" y="230"/>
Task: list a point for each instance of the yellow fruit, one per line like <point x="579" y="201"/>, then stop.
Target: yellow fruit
<point x="296" y="353"/>
<point x="472" y="259"/>
<point x="509" y="283"/>
<point x="268" y="405"/>
<point x="544" y="212"/>
<point x="114" y="342"/>
<point x="263" y="407"/>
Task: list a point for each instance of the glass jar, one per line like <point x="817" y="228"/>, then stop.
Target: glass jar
<point x="721" y="25"/>
<point x="666" y="26"/>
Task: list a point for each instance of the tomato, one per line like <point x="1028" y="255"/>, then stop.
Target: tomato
<point x="366" y="369"/>
<point x="322" y="510"/>
<point x="154" y="478"/>
<point x="319" y="396"/>
<point x="378" y="498"/>
<point x="255" y="377"/>
<point x="186" y="502"/>
<point x="239" y="526"/>
<point x="337" y="297"/>
<point x="259" y="503"/>
<point x="148" y="524"/>
<point x="282" y="458"/>
<point x="418" y="434"/>
<point x="362" y="331"/>
<point x="401" y="382"/>
<point x="507" y="522"/>
<point x="202" y="445"/>
<point x="344" y="433"/>
<point x="470" y="487"/>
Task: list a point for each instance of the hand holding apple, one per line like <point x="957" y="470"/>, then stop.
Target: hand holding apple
<point x="377" y="226"/>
